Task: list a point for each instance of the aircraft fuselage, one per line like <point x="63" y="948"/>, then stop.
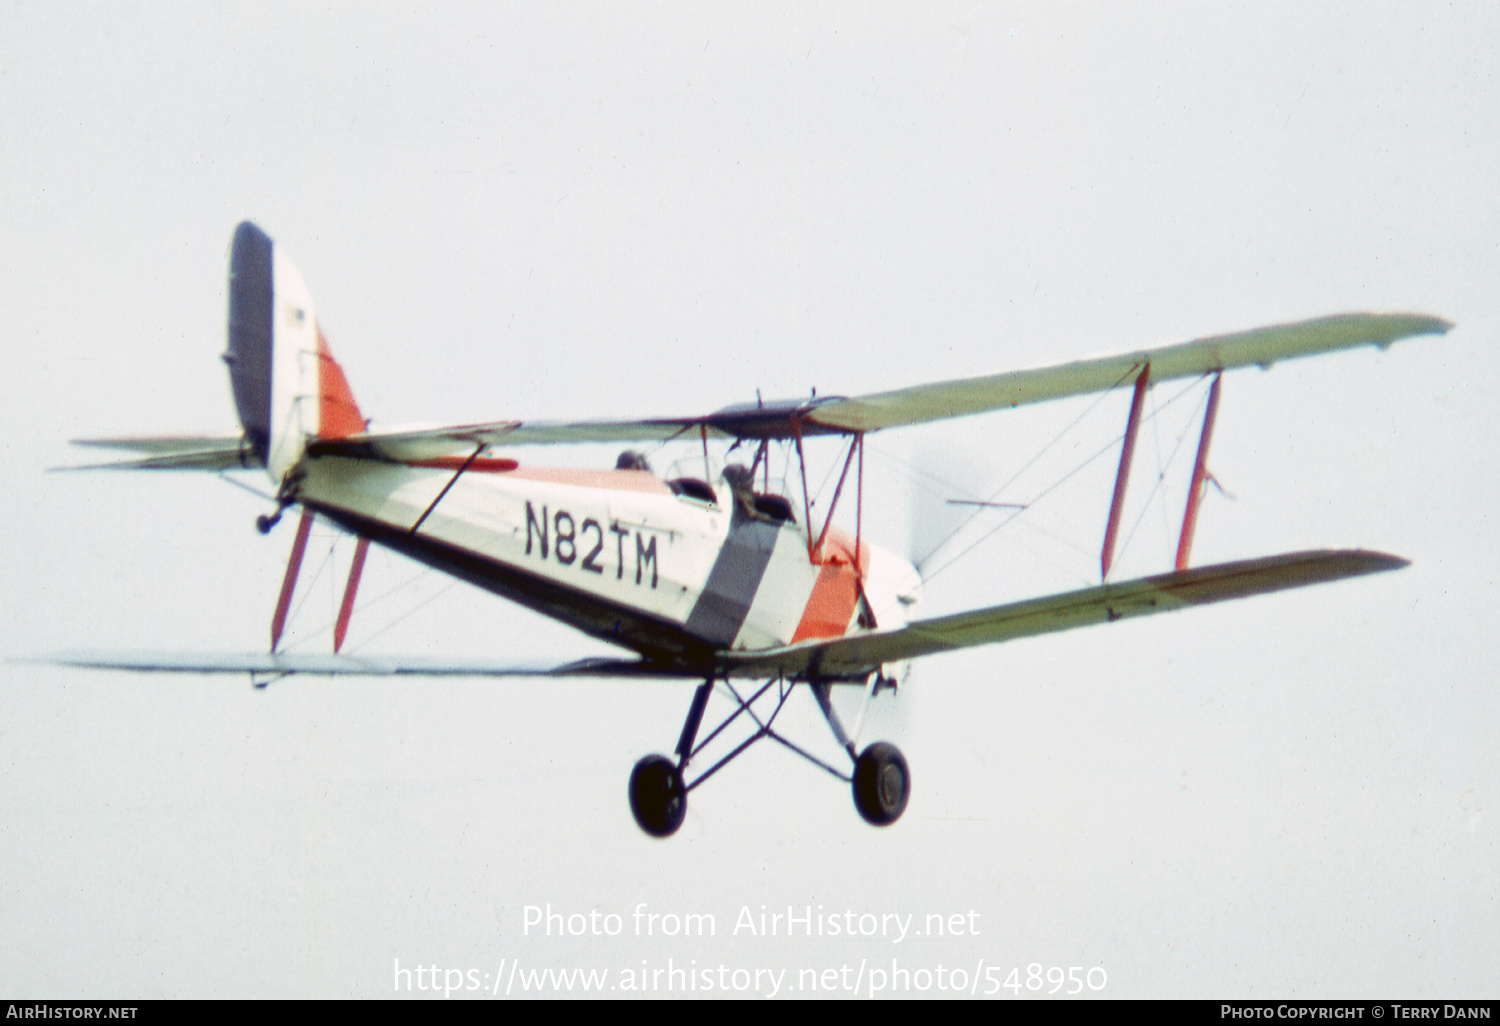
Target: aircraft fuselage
<point x="673" y="575"/>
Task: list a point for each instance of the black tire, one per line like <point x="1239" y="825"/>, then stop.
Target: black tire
<point x="882" y="784"/>
<point x="657" y="798"/>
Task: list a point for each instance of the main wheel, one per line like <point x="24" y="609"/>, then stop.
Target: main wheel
<point x="882" y="784"/>
<point x="657" y="798"/>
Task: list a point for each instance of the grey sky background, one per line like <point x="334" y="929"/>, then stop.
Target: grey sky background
<point x="531" y="211"/>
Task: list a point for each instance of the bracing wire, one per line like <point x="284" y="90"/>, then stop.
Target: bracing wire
<point x="306" y="637"/>
<point x="921" y="564"/>
<point x="928" y="576"/>
<point x="388" y="626"/>
<point x="307" y="593"/>
<point x="222" y="476"/>
<point x="1161" y="477"/>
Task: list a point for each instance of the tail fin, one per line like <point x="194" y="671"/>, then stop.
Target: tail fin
<point x="287" y="386"/>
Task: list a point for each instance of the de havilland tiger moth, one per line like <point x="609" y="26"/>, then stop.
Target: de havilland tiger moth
<point x="714" y="580"/>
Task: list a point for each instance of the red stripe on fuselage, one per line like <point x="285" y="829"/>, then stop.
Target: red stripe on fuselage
<point x="619" y="480"/>
<point x="830" y="607"/>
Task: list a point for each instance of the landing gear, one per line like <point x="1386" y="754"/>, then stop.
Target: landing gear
<point x="882" y="784"/>
<point x="659" y="790"/>
<point x="657" y="798"/>
<point x="264" y="523"/>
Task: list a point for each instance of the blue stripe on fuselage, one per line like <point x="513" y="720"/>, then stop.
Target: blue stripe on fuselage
<point x="720" y="611"/>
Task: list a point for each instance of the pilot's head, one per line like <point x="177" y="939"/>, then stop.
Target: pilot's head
<point x="632" y="460"/>
<point x="738" y="477"/>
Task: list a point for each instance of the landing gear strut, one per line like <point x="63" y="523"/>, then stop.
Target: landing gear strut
<point x="658" y="790"/>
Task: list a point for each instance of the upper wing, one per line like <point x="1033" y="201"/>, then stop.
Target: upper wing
<point x="919" y="404"/>
<point x="857" y="654"/>
<point x="1261" y="347"/>
<point x="829" y="415"/>
<point x="462" y="439"/>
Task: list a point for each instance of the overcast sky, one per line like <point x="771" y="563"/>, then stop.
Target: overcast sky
<point x="539" y="211"/>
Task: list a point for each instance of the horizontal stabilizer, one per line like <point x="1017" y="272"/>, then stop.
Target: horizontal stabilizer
<point x="177" y="452"/>
<point x="271" y="663"/>
<point x="857" y="654"/>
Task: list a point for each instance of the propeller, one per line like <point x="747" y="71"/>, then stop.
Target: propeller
<point x="946" y="497"/>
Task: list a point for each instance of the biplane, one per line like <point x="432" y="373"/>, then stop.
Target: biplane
<point x="720" y="579"/>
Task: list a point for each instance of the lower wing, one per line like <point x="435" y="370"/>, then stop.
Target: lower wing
<point x="851" y="657"/>
<point x="855" y="655"/>
<point x="287" y="663"/>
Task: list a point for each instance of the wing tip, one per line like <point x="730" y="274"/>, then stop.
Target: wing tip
<point x="1366" y="561"/>
<point x="1396" y="327"/>
<point x="1424" y="324"/>
<point x="1267" y="574"/>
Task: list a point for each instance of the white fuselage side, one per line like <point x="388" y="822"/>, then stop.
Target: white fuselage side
<point x="617" y="553"/>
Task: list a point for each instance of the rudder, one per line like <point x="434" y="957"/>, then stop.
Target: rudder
<point x="287" y="386"/>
